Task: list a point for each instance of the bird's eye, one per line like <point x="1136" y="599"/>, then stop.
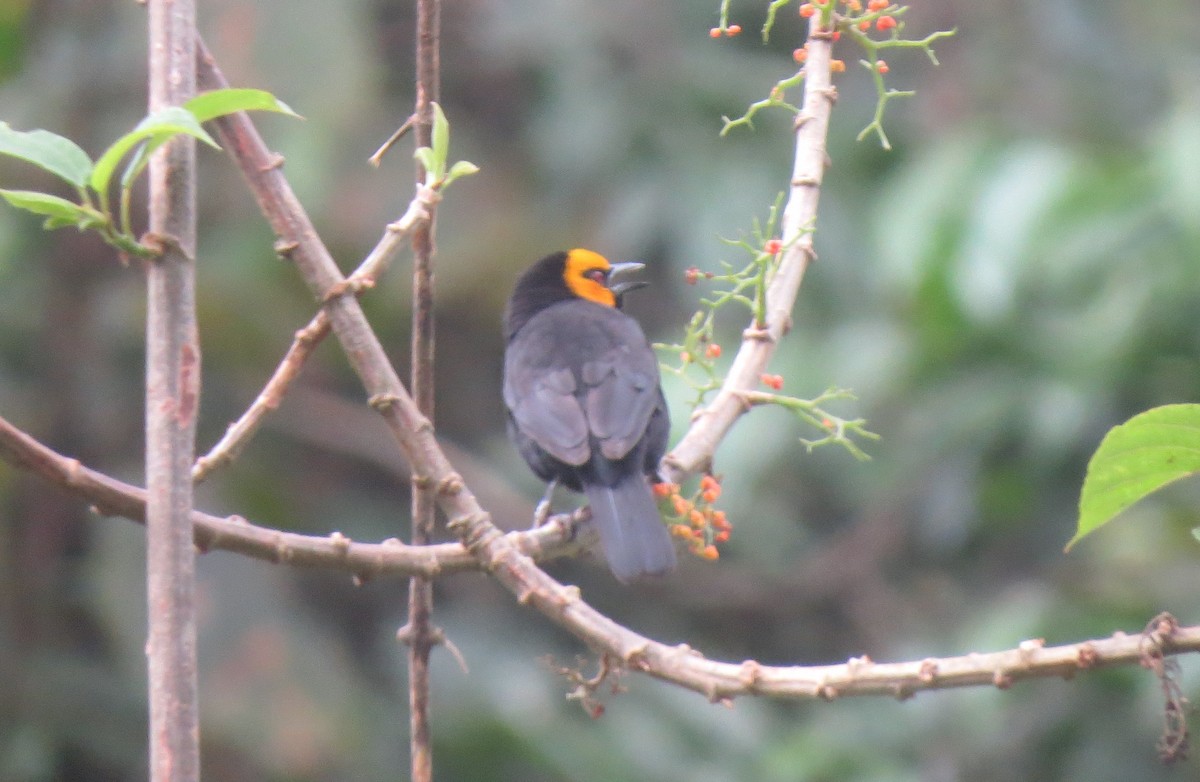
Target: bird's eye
<point x="598" y="276"/>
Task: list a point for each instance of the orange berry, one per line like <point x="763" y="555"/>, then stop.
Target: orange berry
<point x="877" y="5"/>
<point x="720" y="522"/>
<point x="772" y="246"/>
<point x="682" y="531"/>
<point x="709" y="552"/>
<point x="662" y="490"/>
<point x="685" y="357"/>
<point x="853" y="5"/>
<point x="714" y="32"/>
<point x="882" y="67"/>
<point x="733" y="29"/>
<point x="772" y="381"/>
<point x="885" y="23"/>
<point x="807" y="10"/>
<point x="712" y="351"/>
<point x="711" y="496"/>
<point x="837" y="66"/>
<point x="682" y="506"/>
<point x="697" y="519"/>
<point x="721" y="536"/>
<point x="865" y="24"/>
<point x="800" y="55"/>
<point x="709" y="482"/>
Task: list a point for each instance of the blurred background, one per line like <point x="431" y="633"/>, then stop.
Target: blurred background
<point x="1015" y="277"/>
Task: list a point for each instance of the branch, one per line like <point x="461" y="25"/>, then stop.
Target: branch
<point x="298" y="241"/>
<point x="694" y="452"/>
<point x="681" y="664"/>
<point x="363" y="561"/>
<point x="419" y="633"/>
<point x="172" y="399"/>
<point x="239" y="433"/>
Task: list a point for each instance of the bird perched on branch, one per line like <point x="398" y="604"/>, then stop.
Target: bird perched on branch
<point x="585" y="408"/>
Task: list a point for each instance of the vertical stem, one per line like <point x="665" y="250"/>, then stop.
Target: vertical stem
<point x="420" y="590"/>
<point x="172" y="393"/>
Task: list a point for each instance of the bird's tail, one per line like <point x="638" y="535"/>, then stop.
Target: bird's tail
<point x="635" y="541"/>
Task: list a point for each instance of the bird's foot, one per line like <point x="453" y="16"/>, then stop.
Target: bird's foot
<point x="541" y="511"/>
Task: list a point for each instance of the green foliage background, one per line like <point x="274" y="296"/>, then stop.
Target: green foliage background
<point x="1017" y="276"/>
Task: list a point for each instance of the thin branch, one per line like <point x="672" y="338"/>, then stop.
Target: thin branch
<point x="240" y="432"/>
<point x="377" y="158"/>
<point x="694" y="452"/>
<point x="172" y="397"/>
<point x="363" y="561"/>
<point x="419" y="633"/>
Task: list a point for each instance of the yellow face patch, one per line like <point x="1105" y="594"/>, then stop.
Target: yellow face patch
<point x="586" y="274"/>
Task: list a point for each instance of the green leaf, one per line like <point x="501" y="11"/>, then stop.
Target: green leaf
<point x="154" y="130"/>
<point x="49" y="151"/>
<point x="460" y="169"/>
<point x="218" y="103"/>
<point x="440" y="135"/>
<point x="1136" y="459"/>
<point x="59" y="212"/>
<point x="428" y="160"/>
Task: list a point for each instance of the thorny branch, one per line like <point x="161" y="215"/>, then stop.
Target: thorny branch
<point x="685" y="666"/>
<point x="694" y="452"/>
<point x="419" y="633"/>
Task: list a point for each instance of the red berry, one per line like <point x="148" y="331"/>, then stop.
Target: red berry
<point x="807" y="10"/>
<point x="885" y="23"/>
<point x="882" y="67"/>
<point x="733" y="29"/>
<point x="712" y="351"/>
<point x="772" y="246"/>
<point x="714" y="32"/>
<point x="772" y="381"/>
<point x="877" y="5"/>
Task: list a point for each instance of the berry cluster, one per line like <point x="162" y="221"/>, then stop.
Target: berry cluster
<point x="872" y="26"/>
<point x="853" y="13"/>
<point x="694" y="519"/>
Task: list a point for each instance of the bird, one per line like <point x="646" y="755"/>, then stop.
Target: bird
<point x="585" y="406"/>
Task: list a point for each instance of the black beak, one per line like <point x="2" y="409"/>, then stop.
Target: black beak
<point x="619" y="289"/>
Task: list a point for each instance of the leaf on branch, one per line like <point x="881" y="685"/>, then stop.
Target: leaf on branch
<point x="433" y="158"/>
<point x="59" y="212"/>
<point x="219" y="103"/>
<point x="48" y="151"/>
<point x="155" y="130"/>
<point x="1135" y="459"/>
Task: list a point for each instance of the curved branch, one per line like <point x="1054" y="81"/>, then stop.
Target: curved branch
<point x="694" y="452"/>
<point x="680" y="664"/>
<point x="363" y="561"/>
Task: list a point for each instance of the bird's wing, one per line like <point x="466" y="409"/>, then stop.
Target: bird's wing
<point x="621" y="392"/>
<point x="543" y="403"/>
